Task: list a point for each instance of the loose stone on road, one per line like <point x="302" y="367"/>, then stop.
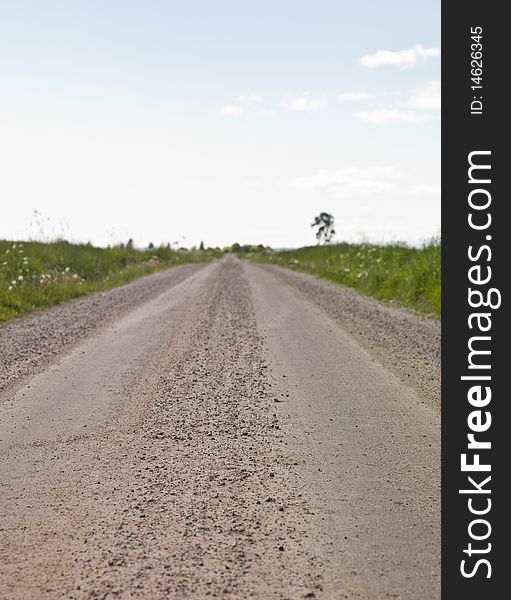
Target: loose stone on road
<point x="220" y="431"/>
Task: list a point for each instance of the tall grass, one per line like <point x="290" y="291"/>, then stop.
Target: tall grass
<point x="395" y="272"/>
<point x="38" y="274"/>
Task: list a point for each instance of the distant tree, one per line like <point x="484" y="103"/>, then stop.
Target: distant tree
<point x="151" y="245"/>
<point x="130" y="243"/>
<point x="325" y="224"/>
<point x="201" y="247"/>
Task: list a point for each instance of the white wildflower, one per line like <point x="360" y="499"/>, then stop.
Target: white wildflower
<point x="20" y="277"/>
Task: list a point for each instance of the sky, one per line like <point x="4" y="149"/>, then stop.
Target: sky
<point x="219" y="121"/>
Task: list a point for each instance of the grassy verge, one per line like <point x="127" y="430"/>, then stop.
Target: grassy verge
<point x="395" y="272"/>
<point x="38" y="275"/>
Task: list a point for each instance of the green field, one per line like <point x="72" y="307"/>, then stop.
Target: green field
<point x="397" y="273"/>
<point x="37" y="275"/>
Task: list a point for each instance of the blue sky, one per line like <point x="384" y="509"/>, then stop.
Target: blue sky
<point x="220" y="121"/>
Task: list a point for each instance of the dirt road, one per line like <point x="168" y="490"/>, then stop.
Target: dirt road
<point x="220" y="431"/>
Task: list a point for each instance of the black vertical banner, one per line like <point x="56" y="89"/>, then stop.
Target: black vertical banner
<point x="476" y="241"/>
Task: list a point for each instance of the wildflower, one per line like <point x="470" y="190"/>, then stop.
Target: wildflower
<point x="14" y="246"/>
<point x="10" y="288"/>
<point x="13" y="282"/>
<point x="20" y="277"/>
<point x="67" y="269"/>
<point x="75" y="276"/>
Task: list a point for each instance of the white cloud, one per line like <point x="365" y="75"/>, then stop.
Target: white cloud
<point x="353" y="96"/>
<point x="392" y="115"/>
<point x="201" y="182"/>
<point x="253" y="183"/>
<point x="351" y="182"/>
<point x="231" y="110"/>
<point x="423" y="189"/>
<point x="305" y="104"/>
<point x="427" y="52"/>
<point x="264" y="112"/>
<point x="425" y="98"/>
<point x="250" y="98"/>
<point x="401" y="59"/>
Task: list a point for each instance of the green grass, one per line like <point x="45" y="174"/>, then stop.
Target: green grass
<point x="37" y="275"/>
<point x="395" y="272"/>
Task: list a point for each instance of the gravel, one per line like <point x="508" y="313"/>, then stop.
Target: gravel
<point x="220" y="431"/>
<point x="29" y="344"/>
<point x="406" y="344"/>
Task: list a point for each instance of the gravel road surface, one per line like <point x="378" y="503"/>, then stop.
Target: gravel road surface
<point x="226" y="430"/>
